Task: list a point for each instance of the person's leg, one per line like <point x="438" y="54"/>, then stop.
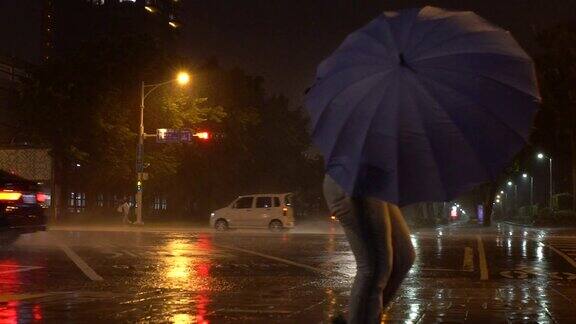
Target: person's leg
<point x="404" y="255"/>
<point x="348" y="212"/>
<point x="377" y="216"/>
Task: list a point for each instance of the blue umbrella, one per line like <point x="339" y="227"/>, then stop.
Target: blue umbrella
<point x="422" y="105"/>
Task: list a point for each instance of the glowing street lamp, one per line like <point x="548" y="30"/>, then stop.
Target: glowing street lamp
<point x="510" y="183"/>
<point x="541" y="156"/>
<point x="525" y="175"/>
<point x="182" y="78"/>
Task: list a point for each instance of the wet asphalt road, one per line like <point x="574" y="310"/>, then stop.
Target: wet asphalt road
<point x="115" y="274"/>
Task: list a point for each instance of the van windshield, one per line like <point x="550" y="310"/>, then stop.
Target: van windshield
<point x="244" y="202"/>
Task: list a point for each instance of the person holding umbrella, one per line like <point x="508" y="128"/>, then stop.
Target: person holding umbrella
<point x="419" y="105"/>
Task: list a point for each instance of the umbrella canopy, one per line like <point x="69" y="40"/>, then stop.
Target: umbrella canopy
<point x="422" y="105"/>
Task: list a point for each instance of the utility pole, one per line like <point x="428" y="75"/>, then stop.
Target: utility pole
<point x="182" y="78"/>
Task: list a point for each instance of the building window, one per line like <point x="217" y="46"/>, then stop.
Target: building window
<point x="77" y="202"/>
<point x="100" y="200"/>
<point x="160" y="203"/>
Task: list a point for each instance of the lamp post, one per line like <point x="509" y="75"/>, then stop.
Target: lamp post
<point x="541" y="156"/>
<point x="526" y="175"/>
<point x="514" y="202"/>
<point x="182" y="78"/>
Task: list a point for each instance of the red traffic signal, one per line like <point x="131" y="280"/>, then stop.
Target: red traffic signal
<point x="203" y="135"/>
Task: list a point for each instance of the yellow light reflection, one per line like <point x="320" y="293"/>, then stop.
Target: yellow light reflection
<point x="182" y="319"/>
<point x="179" y="267"/>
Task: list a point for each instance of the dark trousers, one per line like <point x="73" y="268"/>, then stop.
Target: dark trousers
<point x="380" y="241"/>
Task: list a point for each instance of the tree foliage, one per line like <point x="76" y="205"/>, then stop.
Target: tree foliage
<point x="556" y="125"/>
<point x="86" y="107"/>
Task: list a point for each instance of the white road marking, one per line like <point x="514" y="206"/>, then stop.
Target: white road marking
<point x="129" y="253"/>
<point x="468" y="264"/>
<point x="271" y="257"/>
<point x="562" y="254"/>
<point x="19" y="297"/>
<point x="83" y="266"/>
<point x="482" y="259"/>
<point x="16" y="268"/>
<point x="441" y="269"/>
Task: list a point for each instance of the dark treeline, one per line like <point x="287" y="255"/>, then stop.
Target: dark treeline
<point x="85" y="106"/>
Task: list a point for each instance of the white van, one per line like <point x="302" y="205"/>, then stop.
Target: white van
<point x="272" y="211"/>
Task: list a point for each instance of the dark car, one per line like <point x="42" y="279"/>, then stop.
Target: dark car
<point x="21" y="209"/>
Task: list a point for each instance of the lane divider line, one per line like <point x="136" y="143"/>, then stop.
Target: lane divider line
<point x="270" y="257"/>
<point x="20" y="297"/>
<point x="562" y="254"/>
<point x="482" y="259"/>
<point x="129" y="253"/>
<point x="468" y="264"/>
<point x="81" y="264"/>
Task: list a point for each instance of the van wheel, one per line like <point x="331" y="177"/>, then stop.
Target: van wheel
<point x="221" y="225"/>
<point x="276" y="226"/>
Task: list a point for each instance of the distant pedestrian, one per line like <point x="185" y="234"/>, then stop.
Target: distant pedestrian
<point x="124" y="208"/>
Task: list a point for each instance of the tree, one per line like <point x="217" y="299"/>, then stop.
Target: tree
<point x="557" y="74"/>
<point x="85" y="106"/>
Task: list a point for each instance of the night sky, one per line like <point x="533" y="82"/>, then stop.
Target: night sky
<point x="284" y="40"/>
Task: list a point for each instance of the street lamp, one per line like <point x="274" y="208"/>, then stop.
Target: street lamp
<point x="515" y="197"/>
<point x="541" y="156"/>
<point x="182" y="78"/>
<point x="525" y="175"/>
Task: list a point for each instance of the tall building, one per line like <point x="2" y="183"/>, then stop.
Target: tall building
<point x="67" y="23"/>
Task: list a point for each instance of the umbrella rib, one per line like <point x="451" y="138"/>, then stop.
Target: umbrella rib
<point x="456" y="37"/>
<point x="409" y="33"/>
<point x="510" y="56"/>
<point x="344" y="89"/>
<point x="350" y="116"/>
<point x="484" y="77"/>
<point x="370" y="127"/>
<point x="345" y="68"/>
<point x="438" y="23"/>
<point x="434" y="153"/>
<point x="488" y="171"/>
<point x="378" y="41"/>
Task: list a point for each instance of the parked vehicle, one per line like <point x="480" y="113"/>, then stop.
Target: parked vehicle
<point x="272" y="211"/>
<point x="21" y="208"/>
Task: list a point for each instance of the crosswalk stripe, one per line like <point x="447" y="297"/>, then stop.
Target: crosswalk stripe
<point x="562" y="254"/>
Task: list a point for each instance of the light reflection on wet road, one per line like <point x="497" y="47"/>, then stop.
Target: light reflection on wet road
<point x="498" y="275"/>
